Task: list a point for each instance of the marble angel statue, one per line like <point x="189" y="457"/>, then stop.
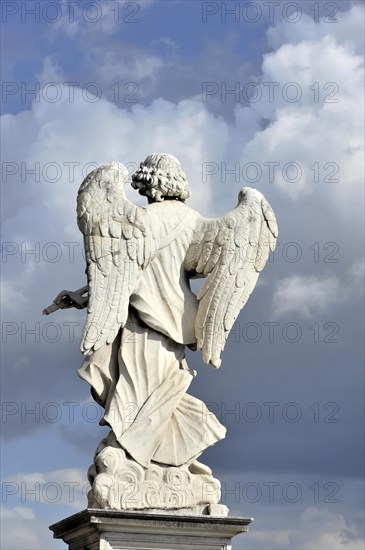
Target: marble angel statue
<point x="142" y="313"/>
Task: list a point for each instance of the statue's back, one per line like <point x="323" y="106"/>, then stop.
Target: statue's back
<point x="163" y="298"/>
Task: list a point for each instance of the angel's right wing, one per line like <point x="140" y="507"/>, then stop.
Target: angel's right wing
<point x="119" y="242"/>
<point x="231" y="251"/>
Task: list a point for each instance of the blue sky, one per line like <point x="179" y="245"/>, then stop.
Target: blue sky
<point x="290" y="389"/>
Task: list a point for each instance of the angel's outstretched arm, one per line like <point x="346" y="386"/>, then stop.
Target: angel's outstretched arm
<point x="67" y="299"/>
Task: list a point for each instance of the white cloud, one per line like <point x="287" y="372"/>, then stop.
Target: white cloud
<point x="12" y="297"/>
<point x="18" y="512"/>
<point x="68" y="487"/>
<point x="275" y="539"/>
<point x="321" y="529"/>
<point x="308" y="296"/>
<point x="21" y="529"/>
<point x="349" y="29"/>
<point x="51" y="71"/>
<point x="318" y="127"/>
<point x="305" y="296"/>
<point x="317" y="529"/>
<point x="356" y="275"/>
<point x="83" y="132"/>
<point x="105" y="17"/>
<point x="133" y="66"/>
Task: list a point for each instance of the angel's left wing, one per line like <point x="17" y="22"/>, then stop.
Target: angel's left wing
<point x="231" y="251"/>
<point x="119" y="242"/>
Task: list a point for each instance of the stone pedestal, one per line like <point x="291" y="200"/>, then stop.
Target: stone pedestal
<point x="95" y="529"/>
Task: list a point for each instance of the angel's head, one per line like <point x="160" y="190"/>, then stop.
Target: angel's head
<point x="160" y="177"/>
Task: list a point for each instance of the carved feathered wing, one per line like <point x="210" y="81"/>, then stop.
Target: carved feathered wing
<point x="119" y="242"/>
<point x="231" y="251"/>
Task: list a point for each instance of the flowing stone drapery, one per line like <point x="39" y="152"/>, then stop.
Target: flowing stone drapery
<point x="142" y="386"/>
<point x="141" y="381"/>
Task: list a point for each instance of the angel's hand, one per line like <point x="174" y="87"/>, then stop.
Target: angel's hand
<point x="67" y="299"/>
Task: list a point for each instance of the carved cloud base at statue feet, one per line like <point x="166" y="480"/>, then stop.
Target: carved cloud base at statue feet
<point x="120" y="483"/>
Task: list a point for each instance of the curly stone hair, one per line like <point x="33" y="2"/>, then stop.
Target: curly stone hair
<point x="160" y="177"/>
